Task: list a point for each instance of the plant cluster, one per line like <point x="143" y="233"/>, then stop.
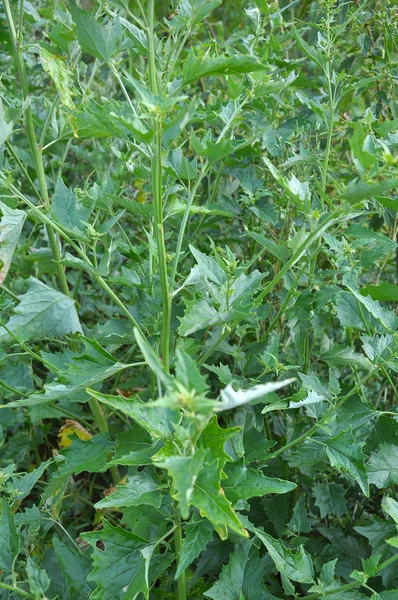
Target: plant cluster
<point x="198" y="292"/>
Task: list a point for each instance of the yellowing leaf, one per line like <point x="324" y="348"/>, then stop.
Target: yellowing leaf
<point x="69" y="429"/>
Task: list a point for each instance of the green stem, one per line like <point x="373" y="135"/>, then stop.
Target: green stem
<point x="16" y="590"/>
<point x="12" y="389"/>
<point x="313" y="236"/>
<point x="350" y="586"/>
<point x="343" y="588"/>
<point x="181" y="584"/>
<point x="157" y="186"/>
<point x="321" y="421"/>
<point x="330" y="122"/>
<point x="36" y="153"/>
<point x="90" y="267"/>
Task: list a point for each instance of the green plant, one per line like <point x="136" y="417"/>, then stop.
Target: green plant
<point x="198" y="347"/>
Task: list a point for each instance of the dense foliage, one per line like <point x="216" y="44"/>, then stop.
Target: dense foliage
<point x="198" y="271"/>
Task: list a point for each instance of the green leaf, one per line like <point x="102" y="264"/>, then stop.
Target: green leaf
<point x="22" y="486"/>
<point x="329" y="498"/>
<point x="357" y="191"/>
<point x="386" y="317"/>
<point x="139" y="489"/>
<point x="10" y="229"/>
<point x="244" y="483"/>
<point x="241" y="578"/>
<point x="75" y="568"/>
<point x="209" y="267"/>
<point x="152" y="360"/>
<point x="343" y="356"/>
<point x="390" y="507"/>
<point x="384" y="292"/>
<point x="300" y="522"/>
<point x="188" y="374"/>
<point x="313" y="54"/>
<point x="296" y="566"/>
<point x="214" y="437"/>
<point x="383" y="466"/>
<point x="232" y="399"/>
<point x="61" y="75"/>
<point x="184" y="472"/>
<point x="5" y="127"/>
<point x="158" y="421"/>
<point x="78" y="371"/>
<point x="38" y="579"/>
<point x="42" y="312"/>
<point x="90" y="455"/>
<point x="9" y="538"/>
<point x="197" y="534"/>
<point x="65" y="209"/>
<point x="201" y="9"/>
<point x="347" y="456"/>
<point x="122" y="562"/>
<point x="210" y="499"/>
<point x="98" y="40"/>
<point x="377" y="531"/>
<point x="272" y="247"/>
<point x="197" y="68"/>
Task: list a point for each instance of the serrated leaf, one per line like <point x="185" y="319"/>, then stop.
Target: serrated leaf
<point x="347" y="456"/>
<point x="75" y="568"/>
<point x="5" y="128"/>
<point x="296" y="566"/>
<point x="121" y="563"/>
<point x="38" y="579"/>
<point x="382" y="467"/>
<point x="98" y="40"/>
<point x="90" y="455"/>
<point x="390" y="507"/>
<point x="139" y="489"/>
<point x="10" y="229"/>
<point x="42" y="312"/>
<point x="197" y="534"/>
<point x="66" y="210"/>
<point x="241" y="578"/>
<point x="9" y="538"/>
<point x="316" y="55"/>
<point x="196" y="68"/>
<point x="184" y="472"/>
<point x="201" y="9"/>
<point x="386" y="317"/>
<point x="210" y="499"/>
<point x="357" y="191"/>
<point x="156" y="420"/>
<point x="214" y="437"/>
<point x="329" y="498"/>
<point x="209" y="267"/>
<point x="78" y="371"/>
<point x="243" y="483"/>
<point x="61" y="75"/>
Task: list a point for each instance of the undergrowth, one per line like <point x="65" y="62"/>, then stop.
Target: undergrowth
<point x="198" y="292"/>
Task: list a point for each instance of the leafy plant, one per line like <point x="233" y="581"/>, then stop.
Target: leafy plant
<point x="198" y="327"/>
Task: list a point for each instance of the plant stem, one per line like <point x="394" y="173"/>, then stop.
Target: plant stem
<point x="350" y="586"/>
<point x="332" y="218"/>
<point x="16" y="590"/>
<point x="322" y="420"/>
<point x="36" y="153"/>
<point x="181" y="584"/>
<point x="157" y="185"/>
<point x="330" y="122"/>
